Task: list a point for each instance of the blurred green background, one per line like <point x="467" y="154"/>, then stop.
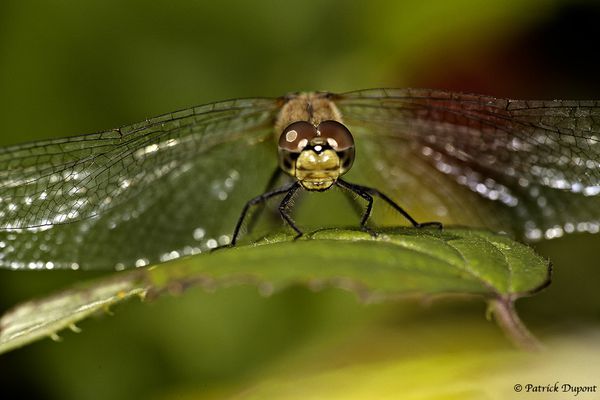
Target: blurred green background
<point x="71" y="67"/>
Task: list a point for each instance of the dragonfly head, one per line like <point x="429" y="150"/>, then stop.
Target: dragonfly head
<point x="316" y="155"/>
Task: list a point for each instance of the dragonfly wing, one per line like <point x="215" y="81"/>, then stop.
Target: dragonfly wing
<point x="135" y="195"/>
<point x="530" y="167"/>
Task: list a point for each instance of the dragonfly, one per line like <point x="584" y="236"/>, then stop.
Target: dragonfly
<point x="174" y="185"/>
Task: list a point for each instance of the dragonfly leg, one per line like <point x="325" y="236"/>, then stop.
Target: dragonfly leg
<point x="284" y="208"/>
<point x="357" y="207"/>
<point x="271" y="185"/>
<point x="365" y="195"/>
<point x="259" y="200"/>
<point x="360" y="190"/>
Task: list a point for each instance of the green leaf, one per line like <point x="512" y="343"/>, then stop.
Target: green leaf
<point x="396" y="263"/>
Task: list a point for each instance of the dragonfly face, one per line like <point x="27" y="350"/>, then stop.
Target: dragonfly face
<point x="316" y="155"/>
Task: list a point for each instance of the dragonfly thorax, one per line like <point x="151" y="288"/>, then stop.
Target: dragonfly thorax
<point x="316" y="155"/>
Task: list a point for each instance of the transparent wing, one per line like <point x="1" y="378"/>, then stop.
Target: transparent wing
<point x="530" y="167"/>
<point x="133" y="195"/>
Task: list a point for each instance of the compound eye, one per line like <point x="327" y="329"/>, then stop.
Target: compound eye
<point x="336" y="134"/>
<point x="296" y="136"/>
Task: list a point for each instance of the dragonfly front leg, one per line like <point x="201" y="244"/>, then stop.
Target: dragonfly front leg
<point x="260" y="200"/>
<point x="367" y="212"/>
<point x="271" y="185"/>
<point x="284" y="208"/>
<point x="370" y="192"/>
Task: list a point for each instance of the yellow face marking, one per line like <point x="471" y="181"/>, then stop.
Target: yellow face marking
<point x="317" y="171"/>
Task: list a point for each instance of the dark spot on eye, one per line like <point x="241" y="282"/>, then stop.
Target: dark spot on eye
<point x="346" y="163"/>
<point x="287" y="164"/>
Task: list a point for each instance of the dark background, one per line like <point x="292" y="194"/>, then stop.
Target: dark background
<point x="70" y="67"/>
